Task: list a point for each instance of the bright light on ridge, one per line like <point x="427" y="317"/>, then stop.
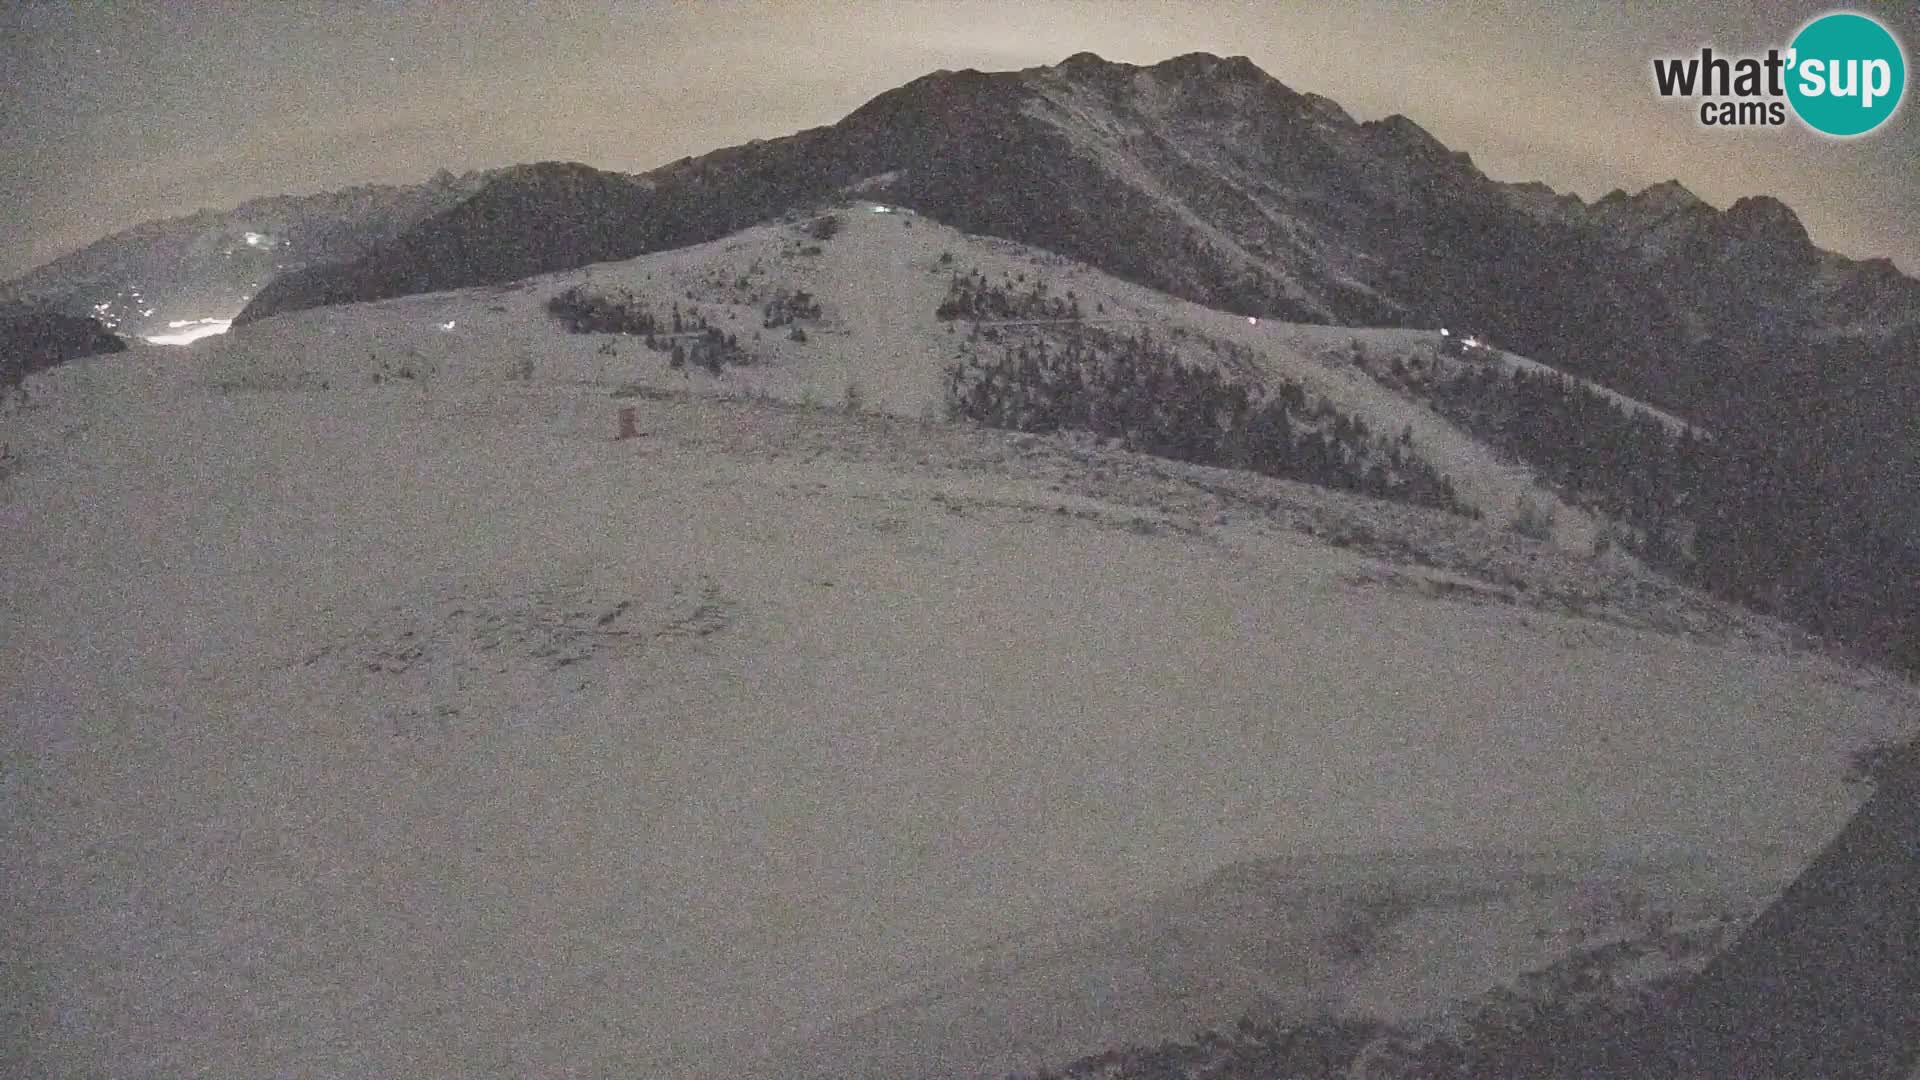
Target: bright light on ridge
<point x="195" y="330"/>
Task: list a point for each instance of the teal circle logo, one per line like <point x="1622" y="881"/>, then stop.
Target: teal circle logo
<point x="1846" y="74"/>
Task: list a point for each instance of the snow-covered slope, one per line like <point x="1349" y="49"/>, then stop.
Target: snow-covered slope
<point x="421" y="727"/>
<point x="878" y="281"/>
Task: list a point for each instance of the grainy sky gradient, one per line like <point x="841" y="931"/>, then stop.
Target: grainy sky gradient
<point x="116" y="112"/>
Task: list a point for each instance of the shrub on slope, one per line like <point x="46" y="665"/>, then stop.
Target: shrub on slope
<point x="687" y="337"/>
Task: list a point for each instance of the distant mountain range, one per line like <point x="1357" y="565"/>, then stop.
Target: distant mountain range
<point x="206" y="266"/>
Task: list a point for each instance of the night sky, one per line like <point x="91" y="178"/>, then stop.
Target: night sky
<point x="117" y="112"/>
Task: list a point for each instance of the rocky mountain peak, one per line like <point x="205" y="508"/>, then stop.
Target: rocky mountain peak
<point x="1402" y="130"/>
<point x="1766" y="219"/>
<point x="1326" y="110"/>
<point x="1399" y="137"/>
<point x="1668" y="208"/>
<point x="1206" y="64"/>
<point x="1668" y="195"/>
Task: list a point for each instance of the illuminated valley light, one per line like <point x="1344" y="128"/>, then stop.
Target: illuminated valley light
<point x="146" y="312"/>
<point x="195" y="330"/>
<point x="448" y="325"/>
<point x="254" y="239"/>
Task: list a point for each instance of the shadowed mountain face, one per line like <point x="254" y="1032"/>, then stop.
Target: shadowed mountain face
<point x="34" y="339"/>
<point x="1118" y="166"/>
<point x="1826" y="982"/>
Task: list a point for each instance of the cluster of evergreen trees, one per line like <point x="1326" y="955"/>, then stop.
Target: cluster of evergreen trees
<point x="686" y="337"/>
<point x="586" y="311"/>
<point x="1138" y="390"/>
<point x="704" y="346"/>
<point x="1740" y="515"/>
<point x="972" y="296"/>
<point x="1621" y="462"/>
<point x="1780" y="533"/>
<point x="787" y="307"/>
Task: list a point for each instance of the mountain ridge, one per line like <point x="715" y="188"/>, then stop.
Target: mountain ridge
<point x="1298" y="158"/>
<point x="206" y="265"/>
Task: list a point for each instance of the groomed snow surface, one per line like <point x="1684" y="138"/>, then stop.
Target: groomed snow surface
<point x="421" y="728"/>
